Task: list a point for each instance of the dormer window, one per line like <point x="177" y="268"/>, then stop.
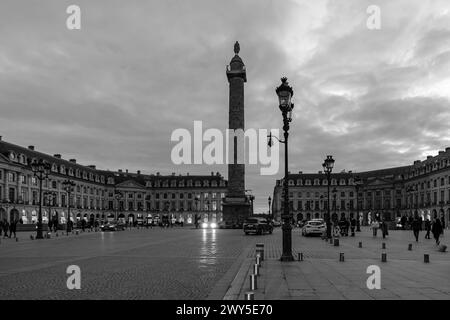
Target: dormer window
<point x="54" y="168"/>
<point x="316" y="182"/>
<point x="333" y="182"/>
<point x="342" y="182"/>
<point x="181" y="183"/>
<point x="308" y="182"/>
<point x="214" y="183"/>
<point x="110" y="180"/>
<point x="77" y="173"/>
<point x="291" y="182"/>
<point x="62" y="169"/>
<point x="12" y="156"/>
<point x="325" y="182"/>
<point x="189" y="183"/>
<point x="173" y="183"/>
<point x="71" y="172"/>
<point x="165" y="183"/>
<point x="206" y="183"/>
<point x="198" y="183"/>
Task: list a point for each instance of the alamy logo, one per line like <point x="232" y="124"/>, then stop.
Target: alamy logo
<point x="74" y="280"/>
<point x="374" y="280"/>
<point x="237" y="147"/>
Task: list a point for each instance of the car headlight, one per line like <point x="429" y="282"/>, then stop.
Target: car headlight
<point x="213" y="225"/>
<point x="204" y="225"/>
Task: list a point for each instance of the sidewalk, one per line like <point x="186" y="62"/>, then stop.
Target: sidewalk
<point x="322" y="276"/>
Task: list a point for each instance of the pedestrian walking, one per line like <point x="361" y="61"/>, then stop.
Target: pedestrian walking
<point x="436" y="229"/>
<point x="375" y="226"/>
<point x="416" y="227"/>
<point x="443" y="224"/>
<point x="353" y="223"/>
<point x="12" y="228"/>
<point x="384" y="228"/>
<point x="427" y="228"/>
<point x="5" y="228"/>
<point x="50" y="225"/>
<point x="83" y="224"/>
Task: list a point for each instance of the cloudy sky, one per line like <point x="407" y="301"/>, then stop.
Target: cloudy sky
<point x="111" y="93"/>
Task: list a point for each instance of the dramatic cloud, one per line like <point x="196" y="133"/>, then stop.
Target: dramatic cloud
<point x="111" y="93"/>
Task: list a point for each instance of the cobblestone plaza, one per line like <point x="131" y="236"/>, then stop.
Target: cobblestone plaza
<point x="188" y="263"/>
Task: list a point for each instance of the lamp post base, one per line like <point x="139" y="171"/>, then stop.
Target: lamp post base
<point x="39" y="234"/>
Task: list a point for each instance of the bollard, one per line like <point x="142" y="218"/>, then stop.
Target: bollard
<point x="383" y="246"/>
<point x="336" y="242"/>
<point x="256" y="269"/>
<point x="410" y="247"/>
<point x="258" y="260"/>
<point x="426" y="258"/>
<point x="384" y="257"/>
<point x="249" y="296"/>
<point x="17" y="239"/>
<point x="76" y="232"/>
<point x="260" y="250"/>
<point x="253" y="282"/>
<point x="56" y="234"/>
<point x="300" y="256"/>
<point x="360" y="245"/>
<point x="341" y="257"/>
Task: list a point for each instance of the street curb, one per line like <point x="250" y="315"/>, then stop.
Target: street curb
<point x="237" y="284"/>
<point x="224" y="285"/>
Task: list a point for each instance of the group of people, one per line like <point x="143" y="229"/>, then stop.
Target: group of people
<point x="345" y="225"/>
<point x="6" y="226"/>
<point x="436" y="227"/>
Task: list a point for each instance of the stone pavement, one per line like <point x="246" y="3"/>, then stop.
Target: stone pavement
<point x="178" y="263"/>
<point x="322" y="276"/>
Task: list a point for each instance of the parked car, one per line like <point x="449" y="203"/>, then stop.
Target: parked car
<point x="257" y="225"/>
<point x="314" y="227"/>
<point x="230" y="225"/>
<point x="113" y="226"/>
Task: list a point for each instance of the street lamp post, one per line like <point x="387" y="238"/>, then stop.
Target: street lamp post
<point x="69" y="188"/>
<point x="285" y="93"/>
<point x="270" y="202"/>
<point x="49" y="198"/>
<point x="357" y="186"/>
<point x="118" y="196"/>
<point x="334" y="191"/>
<point x="41" y="170"/>
<point x="328" y="165"/>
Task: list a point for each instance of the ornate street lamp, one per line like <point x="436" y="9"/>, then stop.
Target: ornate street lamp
<point x="285" y="93"/>
<point x="49" y="199"/>
<point x="118" y="195"/>
<point x="328" y="165"/>
<point x="69" y="186"/>
<point x="41" y="170"/>
<point x="270" y="202"/>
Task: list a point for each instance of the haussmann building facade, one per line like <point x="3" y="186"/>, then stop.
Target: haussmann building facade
<point x="101" y="194"/>
<point x="422" y="188"/>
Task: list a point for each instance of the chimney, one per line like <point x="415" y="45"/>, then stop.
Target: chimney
<point x="350" y="171"/>
<point x="446" y="149"/>
<point x="92" y="167"/>
<point x="300" y="172"/>
<point x="126" y="170"/>
<point x="187" y="174"/>
<point x="120" y="170"/>
<point x="158" y="174"/>
<point x="31" y="148"/>
<point x="212" y="173"/>
<point x="320" y="172"/>
<point x="58" y="156"/>
<point x="0" y="138"/>
<point x="73" y="160"/>
<point x="139" y="172"/>
<point x="173" y="174"/>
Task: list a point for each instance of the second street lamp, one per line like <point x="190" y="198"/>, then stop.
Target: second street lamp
<point x="270" y="202"/>
<point x="285" y="93"/>
<point x="69" y="188"/>
<point x="41" y="170"/>
<point x="328" y="165"/>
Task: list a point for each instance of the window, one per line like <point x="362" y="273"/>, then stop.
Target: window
<point x="342" y="194"/>
<point x="316" y="182"/>
<point x="442" y="181"/>
<point x="173" y="195"/>
<point x="23" y="179"/>
<point x="11" y="177"/>
<point x="54" y="186"/>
